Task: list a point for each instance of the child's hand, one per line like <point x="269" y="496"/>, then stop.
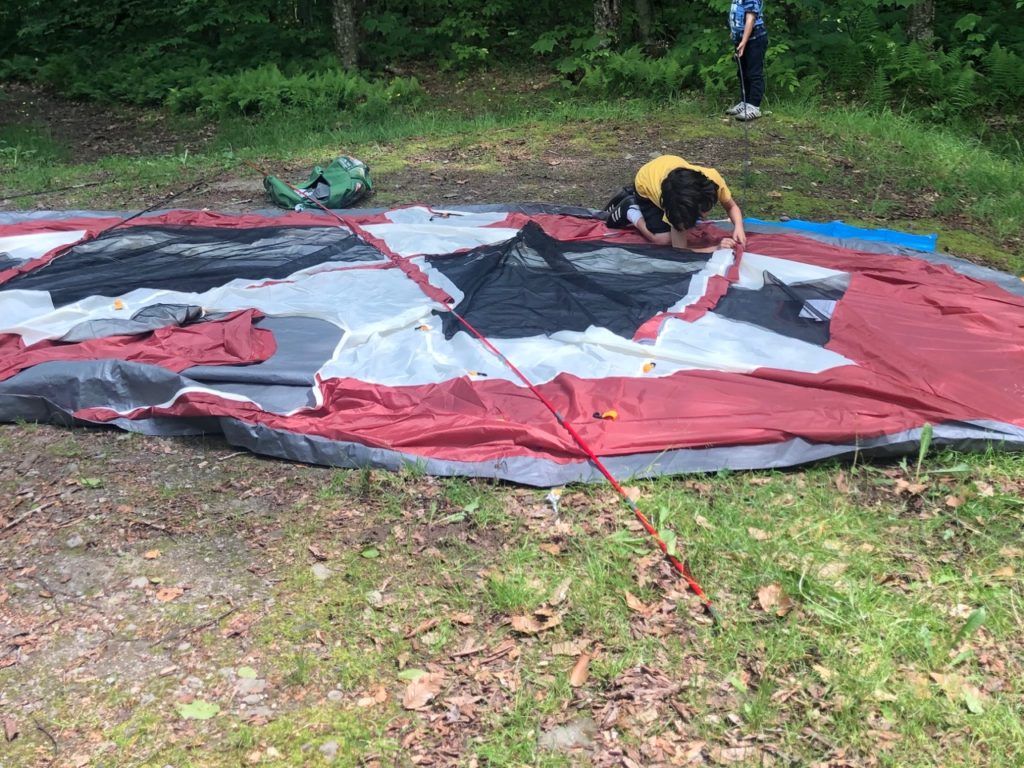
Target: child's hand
<point x="739" y="234"/>
<point x="727" y="242"/>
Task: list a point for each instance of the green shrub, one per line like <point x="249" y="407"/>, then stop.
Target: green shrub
<point x="266" y="91"/>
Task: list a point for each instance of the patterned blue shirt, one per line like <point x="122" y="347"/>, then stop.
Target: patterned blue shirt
<point x="737" y="18"/>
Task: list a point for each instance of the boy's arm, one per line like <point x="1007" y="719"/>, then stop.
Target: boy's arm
<point x="739" y="233"/>
<point x="748" y="29"/>
<point x="661" y="238"/>
<point x="681" y="238"/>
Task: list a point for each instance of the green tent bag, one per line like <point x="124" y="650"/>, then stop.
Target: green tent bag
<point x="342" y="183"/>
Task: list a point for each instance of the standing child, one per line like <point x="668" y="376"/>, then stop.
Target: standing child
<point x="749" y="35"/>
<point x="667" y="198"/>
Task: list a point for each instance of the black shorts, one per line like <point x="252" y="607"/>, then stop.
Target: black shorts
<point x="653" y="216"/>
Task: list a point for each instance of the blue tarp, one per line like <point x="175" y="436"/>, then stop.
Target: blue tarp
<point x="839" y="230"/>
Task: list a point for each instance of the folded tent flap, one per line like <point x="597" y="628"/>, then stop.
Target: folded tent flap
<point x="340" y="184"/>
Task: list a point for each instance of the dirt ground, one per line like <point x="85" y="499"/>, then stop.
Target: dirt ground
<point x="582" y="166"/>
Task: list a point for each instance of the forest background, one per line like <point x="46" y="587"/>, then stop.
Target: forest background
<point x="941" y="61"/>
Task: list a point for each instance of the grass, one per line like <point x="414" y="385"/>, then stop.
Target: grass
<point x="958" y="184"/>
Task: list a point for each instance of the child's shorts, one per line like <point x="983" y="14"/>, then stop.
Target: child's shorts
<point x="653" y="216"/>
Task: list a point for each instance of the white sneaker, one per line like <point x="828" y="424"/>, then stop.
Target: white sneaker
<point x="736" y="108"/>
<point x="748" y="112"/>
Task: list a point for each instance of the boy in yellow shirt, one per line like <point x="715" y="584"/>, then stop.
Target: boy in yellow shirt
<point x="668" y="196"/>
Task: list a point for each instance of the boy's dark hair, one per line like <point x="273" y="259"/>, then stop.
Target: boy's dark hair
<point x="685" y="195"/>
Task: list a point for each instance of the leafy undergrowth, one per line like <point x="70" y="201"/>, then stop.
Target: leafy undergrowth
<point x="175" y="602"/>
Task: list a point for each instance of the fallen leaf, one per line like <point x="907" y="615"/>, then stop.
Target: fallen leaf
<point x="423" y="626"/>
<point x="757" y="533"/>
<point x="841" y="483"/>
<point x="463" y="618"/>
<point x="560" y="592"/>
<point x="246" y="673"/>
<point x="703" y="523"/>
<point x="580" y="671"/>
<point x="832" y="570"/>
<point x="632" y="493"/>
<point x="198" y="710"/>
<point x="166" y="594"/>
<point x="958" y="690"/>
<point x="422" y="690"/>
<point x="689" y="753"/>
<point x="1011" y="552"/>
<point x="316" y="552"/>
<point x="570" y="647"/>
<point x="954" y="501"/>
<point x="824" y="673"/>
<point x="634" y="604"/>
<point x="151" y="554"/>
<point x="10" y="728"/>
<point x="551" y="549"/>
<point x="734" y="754"/>
<point x="531" y="625"/>
<point x="239" y="626"/>
<point x="984" y="489"/>
<point x="775" y="194"/>
<point x="914" y="489"/>
<point x="411" y="674"/>
<point x="1006" y="572"/>
<point x="773" y="599"/>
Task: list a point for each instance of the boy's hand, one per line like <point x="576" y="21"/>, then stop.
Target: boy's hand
<point x="739" y="234"/>
<point x="740" y="49"/>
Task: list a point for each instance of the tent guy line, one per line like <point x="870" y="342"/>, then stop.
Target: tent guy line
<point x="680" y="565"/>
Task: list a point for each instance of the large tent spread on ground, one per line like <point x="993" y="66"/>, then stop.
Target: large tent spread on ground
<point x="299" y="337"/>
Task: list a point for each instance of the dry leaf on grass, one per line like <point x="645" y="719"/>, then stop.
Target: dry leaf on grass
<point x="570" y="647"/>
<point x="958" y="690"/>
<point x="10" y="728"/>
<point x="773" y="599"/>
<point x="632" y="492"/>
<point x="634" y="604"/>
<point x="689" y="753"/>
<point x="984" y="489"/>
<point x="905" y="486"/>
<point x="423" y="626"/>
<point x="463" y="618"/>
<point x="757" y="533"/>
<point x="560" y="592"/>
<point x="734" y="754"/>
<point x="580" y="671"/>
<point x="702" y="522"/>
<point x="422" y="690"/>
<point x="151" y="554"/>
<point x="832" y="570"/>
<point x="532" y="625"/>
<point x="166" y="594"/>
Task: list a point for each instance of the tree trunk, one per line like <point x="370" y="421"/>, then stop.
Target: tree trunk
<point x="644" y="21"/>
<point x="606" y="20"/>
<point x="346" y="42"/>
<point x="921" y="22"/>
